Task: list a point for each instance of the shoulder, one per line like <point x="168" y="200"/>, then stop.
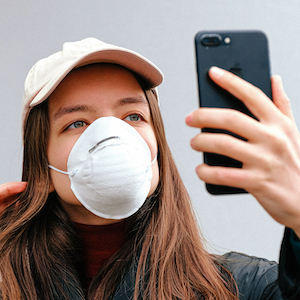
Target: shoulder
<point x="242" y="264"/>
<point x="256" y="277"/>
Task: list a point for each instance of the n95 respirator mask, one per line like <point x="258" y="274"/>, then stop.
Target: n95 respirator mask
<point x="109" y="168"/>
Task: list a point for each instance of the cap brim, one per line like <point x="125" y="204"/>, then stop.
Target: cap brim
<point x="124" y="57"/>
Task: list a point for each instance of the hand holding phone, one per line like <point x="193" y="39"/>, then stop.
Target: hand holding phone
<point x="244" y="53"/>
<point x="270" y="152"/>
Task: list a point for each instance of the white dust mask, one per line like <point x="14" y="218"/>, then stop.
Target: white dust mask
<point x="110" y="169"/>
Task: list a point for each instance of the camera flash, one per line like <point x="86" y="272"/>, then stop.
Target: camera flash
<point x="227" y="40"/>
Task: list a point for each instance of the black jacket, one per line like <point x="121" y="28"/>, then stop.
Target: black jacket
<point x="256" y="278"/>
<point x="289" y="266"/>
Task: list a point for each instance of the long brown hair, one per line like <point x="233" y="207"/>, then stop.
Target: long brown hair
<point x="38" y="246"/>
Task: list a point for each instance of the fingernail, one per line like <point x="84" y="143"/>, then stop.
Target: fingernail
<point x="216" y="71"/>
<point x="189" y="118"/>
<point x="192" y="143"/>
<point x="278" y="78"/>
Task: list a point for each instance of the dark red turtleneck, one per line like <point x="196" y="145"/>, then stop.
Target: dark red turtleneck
<point x="99" y="243"/>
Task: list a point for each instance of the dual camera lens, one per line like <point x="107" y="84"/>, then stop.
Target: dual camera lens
<point x="211" y="40"/>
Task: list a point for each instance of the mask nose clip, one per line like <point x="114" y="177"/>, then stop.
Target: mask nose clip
<point x="103" y="141"/>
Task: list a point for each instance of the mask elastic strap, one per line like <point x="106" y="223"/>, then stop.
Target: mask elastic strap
<point x="63" y="172"/>
<point x="153" y="161"/>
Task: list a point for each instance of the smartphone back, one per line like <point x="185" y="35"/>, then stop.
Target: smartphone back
<point x="244" y="53"/>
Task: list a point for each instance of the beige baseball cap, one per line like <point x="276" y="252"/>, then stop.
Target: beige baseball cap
<point x="47" y="73"/>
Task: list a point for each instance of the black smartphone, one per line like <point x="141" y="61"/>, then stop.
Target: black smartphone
<point x="244" y="53"/>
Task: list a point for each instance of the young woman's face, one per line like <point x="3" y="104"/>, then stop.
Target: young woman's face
<point x="85" y="95"/>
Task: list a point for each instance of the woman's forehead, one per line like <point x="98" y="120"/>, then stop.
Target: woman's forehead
<point x="97" y="83"/>
<point x="110" y="76"/>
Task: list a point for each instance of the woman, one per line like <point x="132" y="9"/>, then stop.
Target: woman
<point x="49" y="232"/>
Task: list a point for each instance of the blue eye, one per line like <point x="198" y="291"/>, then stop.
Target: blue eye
<point x="77" y="124"/>
<point x="133" y="117"/>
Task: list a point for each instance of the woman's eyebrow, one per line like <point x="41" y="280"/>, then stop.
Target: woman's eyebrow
<point x="132" y="100"/>
<point x="70" y="109"/>
<point x="84" y="108"/>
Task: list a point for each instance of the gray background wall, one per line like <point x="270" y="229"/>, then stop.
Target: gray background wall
<point x="163" y="31"/>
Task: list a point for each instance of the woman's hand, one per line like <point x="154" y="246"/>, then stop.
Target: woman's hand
<point x="9" y="192"/>
<point x="271" y="154"/>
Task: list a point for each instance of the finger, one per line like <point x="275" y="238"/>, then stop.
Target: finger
<point x="226" y="119"/>
<point x="227" y="145"/>
<point x="280" y="98"/>
<point x="255" y="99"/>
<point x="234" y="177"/>
<point x="10" y="189"/>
